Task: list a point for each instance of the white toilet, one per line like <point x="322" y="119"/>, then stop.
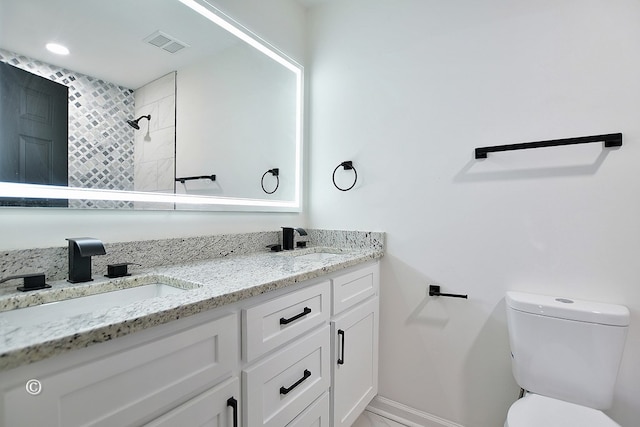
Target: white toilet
<point x="565" y="354"/>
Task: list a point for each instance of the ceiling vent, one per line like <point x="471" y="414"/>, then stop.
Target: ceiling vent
<point x="165" y="42"/>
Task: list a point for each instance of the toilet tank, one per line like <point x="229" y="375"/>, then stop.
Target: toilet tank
<point x="565" y="348"/>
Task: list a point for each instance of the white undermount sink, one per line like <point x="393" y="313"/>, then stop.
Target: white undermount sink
<point x="316" y="256"/>
<point x="319" y="253"/>
<point x="53" y="311"/>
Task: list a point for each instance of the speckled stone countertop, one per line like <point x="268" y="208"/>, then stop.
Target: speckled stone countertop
<point x="209" y="283"/>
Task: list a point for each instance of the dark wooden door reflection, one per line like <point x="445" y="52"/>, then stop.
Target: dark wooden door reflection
<point x="33" y="133"/>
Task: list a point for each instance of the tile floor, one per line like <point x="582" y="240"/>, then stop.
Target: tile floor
<point x="369" y="419"/>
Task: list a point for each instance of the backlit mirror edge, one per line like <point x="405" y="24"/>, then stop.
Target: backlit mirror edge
<point x="20" y="190"/>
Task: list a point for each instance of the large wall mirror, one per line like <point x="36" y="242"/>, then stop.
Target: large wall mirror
<point x="170" y="105"/>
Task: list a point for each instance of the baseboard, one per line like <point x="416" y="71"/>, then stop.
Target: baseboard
<point x="406" y="415"/>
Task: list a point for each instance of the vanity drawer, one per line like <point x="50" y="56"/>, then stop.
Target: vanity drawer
<point x="351" y="288"/>
<point x="316" y="415"/>
<point x="275" y="322"/>
<point x="130" y="385"/>
<point x="211" y="408"/>
<point x="280" y="387"/>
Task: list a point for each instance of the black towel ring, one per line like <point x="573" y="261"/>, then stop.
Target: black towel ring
<point x="275" y="172"/>
<point x="348" y="165"/>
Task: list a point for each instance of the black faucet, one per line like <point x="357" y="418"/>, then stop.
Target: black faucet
<point x="287" y="237"/>
<point x="81" y="249"/>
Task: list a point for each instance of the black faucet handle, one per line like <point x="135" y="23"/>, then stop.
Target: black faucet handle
<point x="32" y="281"/>
<point x="275" y="247"/>
<point x="119" y="270"/>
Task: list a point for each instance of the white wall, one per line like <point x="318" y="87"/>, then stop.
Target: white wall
<point x="407" y="89"/>
<point x="280" y="22"/>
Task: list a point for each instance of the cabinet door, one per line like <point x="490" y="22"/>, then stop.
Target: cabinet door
<point x="217" y="407"/>
<point x="355" y="362"/>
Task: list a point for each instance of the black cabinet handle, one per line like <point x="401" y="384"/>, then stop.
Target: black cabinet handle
<point x="285" y="390"/>
<point x="284" y="321"/>
<point x="234" y="404"/>
<point x="341" y="358"/>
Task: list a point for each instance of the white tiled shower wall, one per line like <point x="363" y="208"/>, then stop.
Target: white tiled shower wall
<point x="155" y="147"/>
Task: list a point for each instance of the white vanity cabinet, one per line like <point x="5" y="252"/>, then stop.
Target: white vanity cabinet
<point x="304" y="356"/>
<point x="129" y="381"/>
<point x="341" y="358"/>
<point x="354" y="328"/>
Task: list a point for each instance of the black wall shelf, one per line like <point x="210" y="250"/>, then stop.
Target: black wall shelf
<point x="610" y="140"/>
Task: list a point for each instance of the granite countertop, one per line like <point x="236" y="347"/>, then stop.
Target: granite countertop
<point x="209" y="284"/>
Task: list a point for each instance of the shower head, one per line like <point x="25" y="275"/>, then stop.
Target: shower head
<point x="134" y="123"/>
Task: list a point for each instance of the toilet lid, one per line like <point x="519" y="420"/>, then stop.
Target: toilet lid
<point x="534" y="411"/>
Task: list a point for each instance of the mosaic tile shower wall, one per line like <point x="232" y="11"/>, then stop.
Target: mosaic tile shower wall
<point x="101" y="144"/>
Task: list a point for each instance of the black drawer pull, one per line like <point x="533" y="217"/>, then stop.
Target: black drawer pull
<point x="234" y="404"/>
<point x="285" y="390"/>
<point x="341" y="358"/>
<point x="284" y="321"/>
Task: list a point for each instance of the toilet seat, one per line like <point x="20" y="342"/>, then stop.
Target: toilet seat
<point x="534" y="411"/>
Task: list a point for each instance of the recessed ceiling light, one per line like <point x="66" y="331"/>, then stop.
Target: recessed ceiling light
<point x="57" y="48"/>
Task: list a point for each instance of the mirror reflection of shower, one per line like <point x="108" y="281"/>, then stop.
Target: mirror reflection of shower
<point x="134" y="123"/>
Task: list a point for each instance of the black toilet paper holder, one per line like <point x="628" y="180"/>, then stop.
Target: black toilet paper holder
<point x="434" y="291"/>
